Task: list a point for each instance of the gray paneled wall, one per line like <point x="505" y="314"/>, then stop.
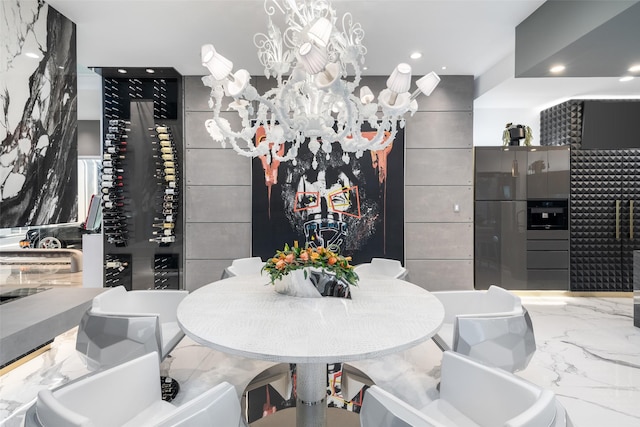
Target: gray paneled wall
<point x="438" y="178"/>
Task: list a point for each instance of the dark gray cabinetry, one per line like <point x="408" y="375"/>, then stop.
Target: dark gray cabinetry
<point x="548" y="173"/>
<point x="500" y="173"/>
<point x="507" y="253"/>
<point x="605" y="191"/>
<point x="501" y="244"/>
<point x="548" y="259"/>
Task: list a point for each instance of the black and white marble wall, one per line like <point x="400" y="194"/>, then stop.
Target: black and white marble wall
<point x="38" y="115"/>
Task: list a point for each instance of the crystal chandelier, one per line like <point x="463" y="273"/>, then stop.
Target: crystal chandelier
<point x="317" y="65"/>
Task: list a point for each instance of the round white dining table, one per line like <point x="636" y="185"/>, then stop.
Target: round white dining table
<point x="244" y="316"/>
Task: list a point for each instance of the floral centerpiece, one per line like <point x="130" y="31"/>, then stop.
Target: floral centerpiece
<point x="312" y="261"/>
<point x="294" y="258"/>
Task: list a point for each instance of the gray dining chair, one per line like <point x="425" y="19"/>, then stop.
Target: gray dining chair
<point x="121" y="325"/>
<point x="491" y="326"/>
<point x="472" y="394"/>
<point x="382" y="267"/>
<point x="129" y="394"/>
<point x="243" y="266"/>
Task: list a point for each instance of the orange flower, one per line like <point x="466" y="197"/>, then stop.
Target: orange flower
<point x="304" y="256"/>
<point x="274" y="259"/>
<point x="332" y="260"/>
<point x="315" y="255"/>
<point x="289" y="258"/>
<point x="280" y="265"/>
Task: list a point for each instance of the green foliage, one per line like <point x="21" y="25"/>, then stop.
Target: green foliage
<point x="294" y="258"/>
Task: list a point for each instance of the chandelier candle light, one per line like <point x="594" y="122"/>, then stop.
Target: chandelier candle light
<point x="314" y="99"/>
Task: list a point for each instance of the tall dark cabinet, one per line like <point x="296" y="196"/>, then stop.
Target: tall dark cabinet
<point x="605" y="192"/>
<point x="521" y="238"/>
<point x="500" y="216"/>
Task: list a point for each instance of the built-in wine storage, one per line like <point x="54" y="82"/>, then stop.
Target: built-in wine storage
<point x="142" y="208"/>
<point x="168" y="193"/>
<point x="114" y="215"/>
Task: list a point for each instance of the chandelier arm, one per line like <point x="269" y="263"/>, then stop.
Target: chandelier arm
<point x="268" y="105"/>
<point x="376" y="143"/>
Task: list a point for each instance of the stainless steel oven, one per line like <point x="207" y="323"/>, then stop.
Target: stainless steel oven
<point x="548" y="214"/>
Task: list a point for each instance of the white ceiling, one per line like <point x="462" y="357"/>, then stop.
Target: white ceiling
<point x="469" y="37"/>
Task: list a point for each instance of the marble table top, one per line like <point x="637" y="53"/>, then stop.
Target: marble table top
<point x="244" y="316"/>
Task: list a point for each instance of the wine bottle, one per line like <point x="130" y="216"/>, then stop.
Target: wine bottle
<point x="114" y="136"/>
<point x="117" y="129"/>
<point x="114" y="122"/>
<point x="114" y="143"/>
<point x="164" y="239"/>
<point x="162" y="129"/>
<point x="110" y="156"/>
<point x="110" y="184"/>
<point x="164" y="225"/>
<point x="111" y="177"/>
<point x="110" y="170"/>
<point x="115" y="149"/>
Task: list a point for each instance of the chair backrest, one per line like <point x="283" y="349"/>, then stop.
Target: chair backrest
<point x="95" y="399"/>
<point x="497" y="299"/>
<point x="111" y="298"/>
<point x="219" y="406"/>
<point x="382" y="267"/>
<point x="246" y="266"/>
<point x="491" y="396"/>
<point x="382" y="409"/>
<point x="52" y="413"/>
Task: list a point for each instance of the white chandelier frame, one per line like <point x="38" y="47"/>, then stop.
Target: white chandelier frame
<point x="313" y="101"/>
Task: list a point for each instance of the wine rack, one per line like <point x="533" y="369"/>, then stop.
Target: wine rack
<point x="166" y="175"/>
<point x="166" y="272"/>
<point x="146" y="206"/>
<point x="118" y="270"/>
<point x="112" y="183"/>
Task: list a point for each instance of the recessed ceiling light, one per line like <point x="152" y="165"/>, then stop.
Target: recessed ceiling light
<point x="32" y="55"/>
<point x="365" y="68"/>
<point x="122" y="71"/>
<point x="557" y="68"/>
<point x="444" y="67"/>
<point x="150" y="70"/>
<point x="626" y="79"/>
<point x="634" y="68"/>
<point x="416" y="55"/>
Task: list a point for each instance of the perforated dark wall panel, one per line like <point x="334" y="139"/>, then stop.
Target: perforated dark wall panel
<point x="602" y="242"/>
<point x="562" y="124"/>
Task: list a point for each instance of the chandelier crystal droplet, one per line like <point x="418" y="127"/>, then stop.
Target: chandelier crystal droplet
<point x="317" y="64"/>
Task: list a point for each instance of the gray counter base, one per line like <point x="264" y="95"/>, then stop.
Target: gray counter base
<point x="29" y="322"/>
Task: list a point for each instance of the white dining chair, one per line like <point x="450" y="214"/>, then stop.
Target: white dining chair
<point x="129" y="394"/>
<point x="491" y="326"/>
<point x="121" y="325"/>
<point x="382" y="267"/>
<point x="472" y="394"/>
<point x="243" y="267"/>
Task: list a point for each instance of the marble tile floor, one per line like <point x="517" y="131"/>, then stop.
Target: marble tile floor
<point x="588" y="354"/>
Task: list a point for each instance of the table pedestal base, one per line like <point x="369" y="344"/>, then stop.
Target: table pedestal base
<point x="311" y="389"/>
<point x="308" y="377"/>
